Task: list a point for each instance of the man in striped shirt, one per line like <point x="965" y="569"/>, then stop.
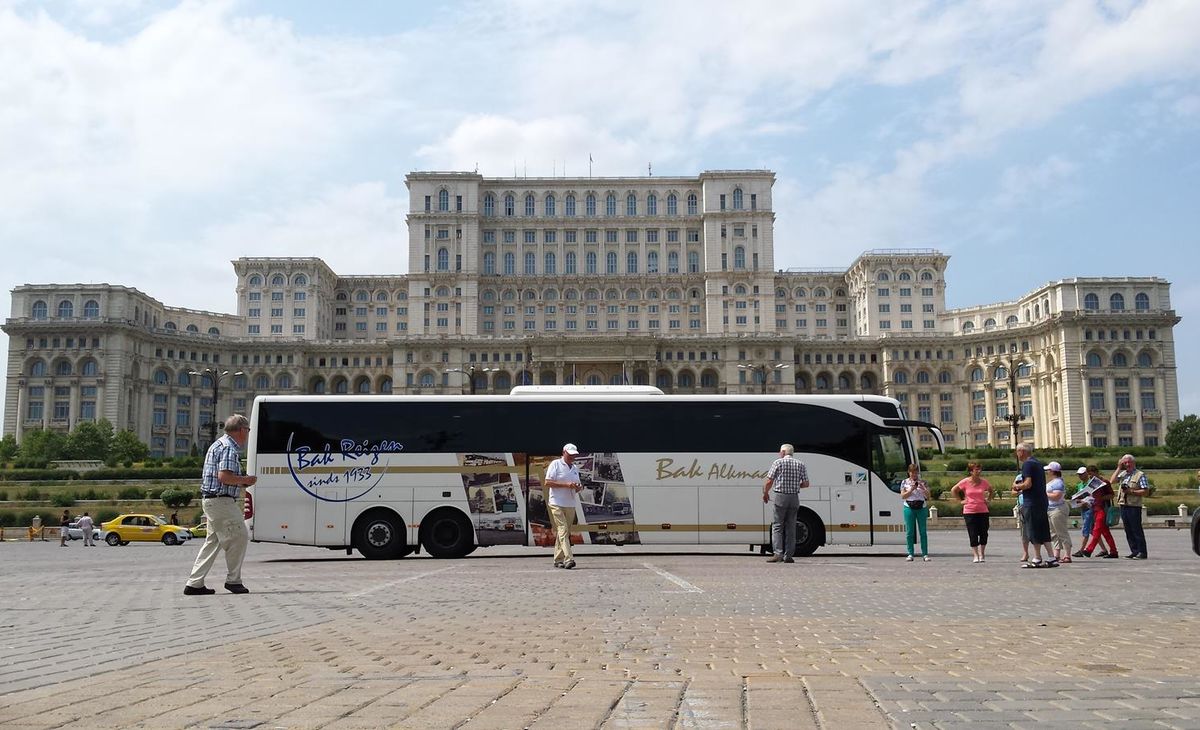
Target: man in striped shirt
<point x="221" y="484"/>
<point x="786" y="477"/>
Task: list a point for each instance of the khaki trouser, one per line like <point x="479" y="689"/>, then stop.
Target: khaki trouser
<point x="561" y="518"/>
<point x="1060" y="533"/>
<point x="226" y="531"/>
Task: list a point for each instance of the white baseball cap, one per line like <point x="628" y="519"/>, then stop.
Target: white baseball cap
<point x="1053" y="466"/>
<point x="1081" y="470"/>
<point x="571" y="449"/>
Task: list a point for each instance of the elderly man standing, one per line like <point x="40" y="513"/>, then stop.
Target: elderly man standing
<point x="1031" y="485"/>
<point x="562" y="480"/>
<point x="1133" y="486"/>
<point x="786" y="477"/>
<point x="221" y="484"/>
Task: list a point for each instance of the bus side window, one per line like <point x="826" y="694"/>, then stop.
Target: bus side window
<point x="890" y="461"/>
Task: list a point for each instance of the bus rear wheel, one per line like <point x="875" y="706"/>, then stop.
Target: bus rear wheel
<point x="447" y="534"/>
<point x="808" y="534"/>
<point x="380" y="535"/>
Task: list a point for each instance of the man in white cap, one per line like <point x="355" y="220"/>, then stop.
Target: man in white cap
<point x="562" y="481"/>
<point x="1084" y="503"/>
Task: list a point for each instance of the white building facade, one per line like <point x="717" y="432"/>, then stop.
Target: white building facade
<point x="662" y="281"/>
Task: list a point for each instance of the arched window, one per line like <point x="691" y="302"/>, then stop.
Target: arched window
<point x="693" y="262"/>
<point x="65" y="309"/>
<point x="686" y="380"/>
<point x="926" y="276"/>
<point x="385" y="385"/>
<point x="363" y="386"/>
<point x="549" y="205"/>
<point x="277" y="280"/>
<point x="91" y="309"/>
<point x="502" y="381"/>
<point x="184" y="378"/>
<point x="989" y="323"/>
<point x="740" y="289"/>
<point x="944" y="377"/>
<point x="589" y="204"/>
<point x="737" y="198"/>
<point x="570" y="269"/>
<point x="901" y="377"/>
<point x="1145" y="360"/>
<point x="691" y="204"/>
<point x="883" y="276"/>
<point x="255" y="280"/>
<point x="39" y="310"/>
<point x="550" y="264"/>
<point x="510" y="263"/>
<point x="819" y="292"/>
<point x="169" y="326"/>
<point x="652" y="262"/>
<point x="530" y="263"/>
<point x="1037" y="311"/>
<point x="1010" y="320"/>
<point x="673" y="262"/>
<point x="570" y="206"/>
<point x="62" y="368"/>
<point x="381" y="296"/>
<point x="867" y="382"/>
<point x="611" y="294"/>
<point x="821" y="382"/>
<point x="905" y="276"/>
<point x="922" y="376"/>
<point x="239" y="382"/>
<point x="192" y="328"/>
<point x="843" y="382"/>
<point x="362" y="296"/>
<point x="443" y="291"/>
<point x="341" y="386"/>
<point x="426" y="379"/>
<point x="708" y="379"/>
<point x="968" y="327"/>
<point x="976" y="375"/>
<point x="550" y="295"/>
<point x="489" y="263"/>
<point x="1116" y="303"/>
<point x="299" y="280"/>
<point x="1001" y="373"/>
<point x="89" y="369"/>
<point x="651" y="204"/>
<point x="510" y="209"/>
<point x="1024" y="370"/>
<point x="663" y="380"/>
<point x="591" y="262"/>
<point x="610" y="261"/>
<point x="443" y="200"/>
<point x="489" y="205"/>
<point x="1120" y="361"/>
<point x="318" y="386"/>
<point x="1141" y="302"/>
<point x="1091" y="302"/>
<point x="801" y="293"/>
<point x="739" y="257"/>
<point x="672" y="204"/>
<point x="443" y="259"/>
<point x="631" y="204"/>
<point x="262" y="382"/>
<point x="610" y="205"/>
<point x="1093" y="360"/>
<point x="529" y="205"/>
<point x="283" y="382"/>
<point x="631" y="262"/>
<point x="161" y="377"/>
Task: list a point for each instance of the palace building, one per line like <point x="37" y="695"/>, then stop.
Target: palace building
<point x="666" y="281"/>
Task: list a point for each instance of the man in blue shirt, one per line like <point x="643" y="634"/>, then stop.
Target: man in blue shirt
<point x="1035" y="518"/>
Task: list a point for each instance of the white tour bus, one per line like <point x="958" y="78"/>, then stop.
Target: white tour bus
<point x="388" y="475"/>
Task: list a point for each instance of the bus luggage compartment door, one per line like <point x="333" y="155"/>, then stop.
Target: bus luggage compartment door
<point x="734" y="515"/>
<point x="330" y="516"/>
<point x="667" y="514"/>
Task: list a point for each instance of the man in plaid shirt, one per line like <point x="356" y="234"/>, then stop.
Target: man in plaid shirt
<point x="786" y="477"/>
<point x="221" y="484"/>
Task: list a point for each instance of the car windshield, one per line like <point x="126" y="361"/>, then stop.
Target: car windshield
<point x="158" y="520"/>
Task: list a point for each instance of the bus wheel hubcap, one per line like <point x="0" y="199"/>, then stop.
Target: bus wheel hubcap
<point x="379" y="535"/>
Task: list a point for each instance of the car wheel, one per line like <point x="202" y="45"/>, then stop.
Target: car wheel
<point x="447" y="534"/>
<point x="113" y="539"/>
<point x="808" y="534"/>
<point x="170" y="539"/>
<point x="380" y="535"/>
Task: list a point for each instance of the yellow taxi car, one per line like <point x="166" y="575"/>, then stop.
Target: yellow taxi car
<point x="125" y="529"/>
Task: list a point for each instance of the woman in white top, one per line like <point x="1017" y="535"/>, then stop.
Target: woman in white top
<point x="1058" y="511"/>
<point x="915" y="493"/>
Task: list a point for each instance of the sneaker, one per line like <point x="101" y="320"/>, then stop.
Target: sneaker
<point x="1102" y="554"/>
<point x="908" y="559"/>
<point x="974" y="560"/>
<point x="197" y="591"/>
<point x="558" y="563"/>
<point x="1034" y="564"/>
<point x="236" y="588"/>
<point x="569" y="564"/>
<point x="1140" y="556"/>
<point x="775" y="559"/>
<point x="1110" y="555"/>
<point x="1050" y="564"/>
<point x="1131" y="556"/>
<point x="926" y="558"/>
<point x="983" y="560"/>
<point x="1081" y="554"/>
<point x="789" y="560"/>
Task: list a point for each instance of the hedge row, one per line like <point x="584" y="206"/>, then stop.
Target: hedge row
<point x="43" y="475"/>
<point x="1106" y="465"/>
<point x="1070" y="452"/>
<point x="1003" y="508"/>
<point x="23" y="518"/>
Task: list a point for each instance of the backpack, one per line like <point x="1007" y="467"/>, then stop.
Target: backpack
<point x="1112" y="515"/>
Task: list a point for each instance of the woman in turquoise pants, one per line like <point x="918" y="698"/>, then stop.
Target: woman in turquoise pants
<point x="915" y="493"/>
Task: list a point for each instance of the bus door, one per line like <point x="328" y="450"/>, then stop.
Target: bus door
<point x="850" y="506"/>
<point x="889" y="467"/>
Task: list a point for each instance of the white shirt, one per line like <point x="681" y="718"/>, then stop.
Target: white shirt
<point x="559" y="471"/>
<point x="85" y="524"/>
<point x="1056" y="485"/>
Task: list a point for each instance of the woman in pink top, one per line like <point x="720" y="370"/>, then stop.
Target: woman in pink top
<point x="974" y="492"/>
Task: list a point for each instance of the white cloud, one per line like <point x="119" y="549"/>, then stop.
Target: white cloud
<point x="1047" y="183"/>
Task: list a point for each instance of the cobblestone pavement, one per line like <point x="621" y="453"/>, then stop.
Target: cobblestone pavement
<point x="684" y="638"/>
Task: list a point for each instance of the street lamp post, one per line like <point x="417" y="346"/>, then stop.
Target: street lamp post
<point x="1014" y="416"/>
<point x="216" y="376"/>
<point x="762" y="371"/>
<point x="470" y="371"/>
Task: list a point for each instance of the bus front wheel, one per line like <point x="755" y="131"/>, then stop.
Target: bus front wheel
<point x="809" y="534"/>
<point x="381" y="535"/>
<point x="447" y="534"/>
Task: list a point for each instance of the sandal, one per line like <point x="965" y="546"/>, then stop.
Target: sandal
<point x="1034" y="564"/>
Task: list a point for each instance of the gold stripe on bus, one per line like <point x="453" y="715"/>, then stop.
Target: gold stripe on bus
<point x="490" y="469"/>
<point x="673" y="527"/>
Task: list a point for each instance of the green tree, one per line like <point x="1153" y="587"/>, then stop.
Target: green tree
<point x="8" y="448"/>
<point x="90" y="441"/>
<point x="1183" y="437"/>
<point x="127" y="447"/>
<point x="42" y="446"/>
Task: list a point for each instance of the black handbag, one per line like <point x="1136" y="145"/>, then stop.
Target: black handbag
<point x="916" y="505"/>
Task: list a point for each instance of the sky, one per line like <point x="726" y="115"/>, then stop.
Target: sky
<point x="148" y="144"/>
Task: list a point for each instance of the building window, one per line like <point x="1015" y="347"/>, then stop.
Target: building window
<point x="610" y="205"/>
<point x="631" y="263"/>
<point x="591" y="262"/>
<point x="590" y="205"/>
<point x="611" y="262"/>
<point x="570" y="206"/>
<point x="510" y="263"/>
<point x="631" y="204"/>
<point x="549" y="205"/>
